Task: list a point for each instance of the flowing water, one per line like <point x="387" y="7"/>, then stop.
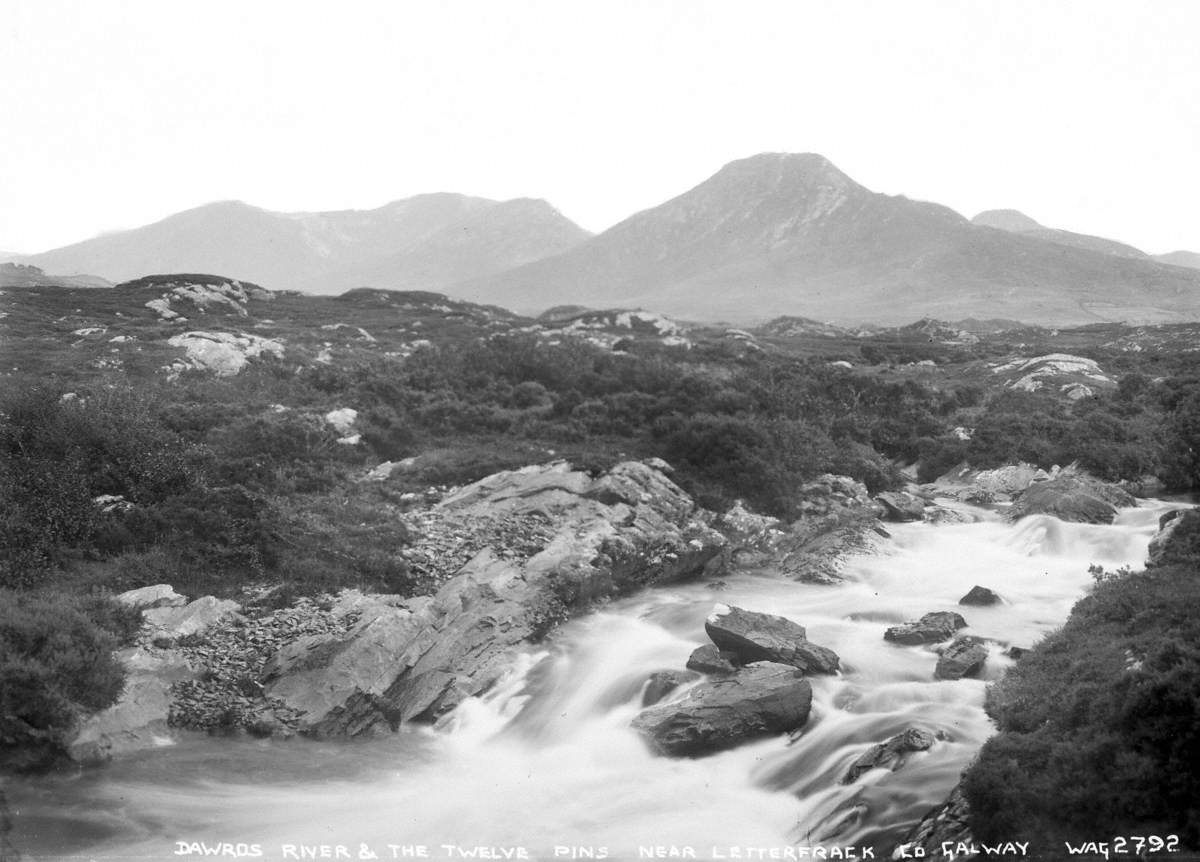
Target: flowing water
<point x="545" y="766"/>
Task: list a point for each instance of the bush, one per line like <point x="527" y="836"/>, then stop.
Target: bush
<point x="1098" y="722"/>
<point x="56" y="661"/>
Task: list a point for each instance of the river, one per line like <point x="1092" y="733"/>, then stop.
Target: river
<point x="547" y="760"/>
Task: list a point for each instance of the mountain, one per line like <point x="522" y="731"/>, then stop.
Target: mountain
<point x="322" y="251"/>
<point x="790" y="234"/>
<point x="1180" y="258"/>
<point x="1017" y="222"/>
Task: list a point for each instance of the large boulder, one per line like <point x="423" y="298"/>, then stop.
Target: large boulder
<point x="901" y="506"/>
<point x="759" y="700"/>
<point x="892" y="754"/>
<point x="1177" y="539"/>
<point x="628" y="528"/>
<point x="139" y="718"/>
<point x="1072" y="496"/>
<point x="752" y="637"/>
<point x="963" y="657"/>
<point x="929" y="629"/>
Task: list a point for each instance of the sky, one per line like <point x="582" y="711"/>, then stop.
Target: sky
<point x="1084" y="115"/>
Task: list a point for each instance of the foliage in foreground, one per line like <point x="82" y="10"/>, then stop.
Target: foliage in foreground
<point x="1100" y="723"/>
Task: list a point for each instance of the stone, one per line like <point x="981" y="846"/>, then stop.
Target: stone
<point x="753" y="636"/>
<point x="901" y="506"/>
<point x="709" y="659"/>
<point x="1071" y="495"/>
<point x="222" y="353"/>
<point x="138" y="720"/>
<point x="169" y="624"/>
<point x="963" y="657"/>
<point x="980" y="596"/>
<point x="948" y="823"/>
<point x="759" y="700"/>
<point x="892" y="754"/>
<point x="662" y="683"/>
<point x="1177" y="539"/>
<point x="931" y="628"/>
<point x="156" y="596"/>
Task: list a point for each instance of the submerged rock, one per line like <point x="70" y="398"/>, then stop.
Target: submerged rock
<point x="759" y="700"/>
<point x="892" y="754"/>
<point x="931" y="628"/>
<point x="753" y="636"/>
<point x="628" y="528"/>
<point x="980" y="597"/>
<point x="963" y="657"/>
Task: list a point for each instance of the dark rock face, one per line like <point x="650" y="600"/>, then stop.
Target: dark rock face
<point x="1072" y="496"/>
<point x="948" y="822"/>
<point x="929" y="629"/>
<point x="709" y="659"/>
<point x="964" y="656"/>
<point x="755" y="637"/>
<point x="980" y="596"/>
<point x="663" y="682"/>
<point x="758" y="700"/>
<point x="891" y="754"/>
<point x="1177" y="538"/>
<point x="901" y="506"/>
<point x="629" y="528"/>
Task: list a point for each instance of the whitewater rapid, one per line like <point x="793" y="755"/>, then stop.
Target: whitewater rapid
<point x="546" y="762"/>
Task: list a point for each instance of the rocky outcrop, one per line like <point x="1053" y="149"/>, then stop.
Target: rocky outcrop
<point x="1071" y="495"/>
<point x="901" y="506"/>
<point x="758" y="700"/>
<point x="753" y="637"/>
<point x="628" y="528"/>
<point x="963" y="657"/>
<point x="140" y="717"/>
<point x="1177" y="539"/>
<point x="837" y="520"/>
<point x="892" y="754"/>
<point x="169" y="623"/>
<point x="988" y="486"/>
<point x="156" y="596"/>
<point x="222" y="353"/>
<point x="947" y="823"/>
<point x="980" y="597"/>
<point x="931" y="628"/>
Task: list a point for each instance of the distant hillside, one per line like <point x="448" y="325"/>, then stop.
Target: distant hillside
<point x="785" y="234"/>
<point x="1017" y="222"/>
<point x="422" y="240"/>
<point x="1180" y="258"/>
<point x="18" y="275"/>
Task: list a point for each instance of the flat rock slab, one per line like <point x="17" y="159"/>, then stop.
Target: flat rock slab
<point x="963" y="657"/>
<point x="901" y="506"/>
<point x="157" y="596"/>
<point x="892" y="754"/>
<point x="759" y="700"/>
<point x="753" y="636"/>
<point x="929" y="629"/>
<point x="172" y="623"/>
<point x="1072" y="496"/>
